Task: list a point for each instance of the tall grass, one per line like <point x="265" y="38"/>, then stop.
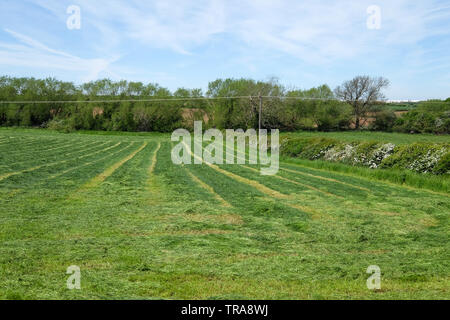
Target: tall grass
<point x="401" y="177"/>
<point x="365" y="135"/>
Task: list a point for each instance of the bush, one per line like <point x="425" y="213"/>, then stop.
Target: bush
<point x="122" y="119"/>
<point x="427" y="118"/>
<point x="418" y="157"/>
<point x="62" y="125"/>
<point x="313" y="148"/>
<point x="384" y="121"/>
<point x="443" y="165"/>
<point x="332" y="115"/>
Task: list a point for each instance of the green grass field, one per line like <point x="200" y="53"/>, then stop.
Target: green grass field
<point x="140" y="227"/>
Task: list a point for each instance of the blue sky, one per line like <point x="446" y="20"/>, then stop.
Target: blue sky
<point x="189" y="43"/>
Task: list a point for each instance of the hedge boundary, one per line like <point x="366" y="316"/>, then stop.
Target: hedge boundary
<point x="418" y="157"/>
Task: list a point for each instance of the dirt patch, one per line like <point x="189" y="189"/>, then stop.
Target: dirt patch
<point x="194" y="114"/>
<point x="97" y="111"/>
<point x="429" y="222"/>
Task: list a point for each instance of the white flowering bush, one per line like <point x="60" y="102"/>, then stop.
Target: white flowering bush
<point x="419" y="157"/>
<point x="340" y="153"/>
<point x="427" y="162"/>
<point x="383" y="152"/>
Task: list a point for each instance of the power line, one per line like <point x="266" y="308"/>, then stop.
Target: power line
<point x="126" y="100"/>
<point x="195" y="99"/>
<point x="162" y="99"/>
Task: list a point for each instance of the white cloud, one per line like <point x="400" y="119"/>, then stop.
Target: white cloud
<point x="34" y="54"/>
<point x="322" y="34"/>
<point x="313" y="31"/>
<point x="177" y="25"/>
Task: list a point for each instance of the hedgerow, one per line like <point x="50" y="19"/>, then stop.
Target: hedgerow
<point x="429" y="117"/>
<point x="418" y="157"/>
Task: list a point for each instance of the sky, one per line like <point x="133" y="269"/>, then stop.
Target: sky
<point x="190" y="43"/>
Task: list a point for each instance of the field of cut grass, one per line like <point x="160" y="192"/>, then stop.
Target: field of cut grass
<point x="140" y="227"/>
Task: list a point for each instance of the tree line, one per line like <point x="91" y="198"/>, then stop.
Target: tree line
<point x="230" y="104"/>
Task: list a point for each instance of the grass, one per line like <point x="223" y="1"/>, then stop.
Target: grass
<point x="407" y="178"/>
<point x="396" y="138"/>
<point x="140" y="227"/>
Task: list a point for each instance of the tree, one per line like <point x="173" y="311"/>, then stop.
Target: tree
<point x="362" y="92"/>
<point x="241" y="112"/>
<point x="321" y="92"/>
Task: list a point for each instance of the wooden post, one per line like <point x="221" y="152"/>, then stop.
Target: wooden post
<point x="260" y="111"/>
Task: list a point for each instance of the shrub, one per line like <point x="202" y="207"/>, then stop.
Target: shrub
<point x="312" y="149"/>
<point x="332" y="115"/>
<point x="384" y="121"/>
<point x="419" y="157"/>
<point x="62" y="125"/>
<point x="122" y="119"/>
<point x="443" y="165"/>
<point x="427" y="118"/>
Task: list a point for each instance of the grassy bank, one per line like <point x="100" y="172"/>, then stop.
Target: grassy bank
<point x="396" y="138"/>
<point x="400" y="177"/>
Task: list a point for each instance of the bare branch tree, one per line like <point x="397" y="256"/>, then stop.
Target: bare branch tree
<point x="362" y="92"/>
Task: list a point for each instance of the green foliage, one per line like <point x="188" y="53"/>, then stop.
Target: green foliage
<point x="384" y="121"/>
<point x="443" y="166"/>
<point x="332" y="115"/>
<point x="234" y="104"/>
<point x="321" y="92"/>
<point x="123" y="116"/>
<point x="419" y="157"/>
<point x="313" y="148"/>
<point x="62" y="125"/>
<point x="406" y="106"/>
<point x="429" y="117"/>
<point x="122" y="119"/>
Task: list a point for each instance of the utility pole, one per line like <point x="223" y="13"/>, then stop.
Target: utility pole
<point x="260" y="111"/>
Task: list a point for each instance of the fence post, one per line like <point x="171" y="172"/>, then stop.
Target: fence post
<point x="260" y="112"/>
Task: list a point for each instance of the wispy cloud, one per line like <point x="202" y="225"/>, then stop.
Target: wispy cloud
<point x="32" y="53"/>
<point x="312" y="31"/>
<point x="322" y="35"/>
